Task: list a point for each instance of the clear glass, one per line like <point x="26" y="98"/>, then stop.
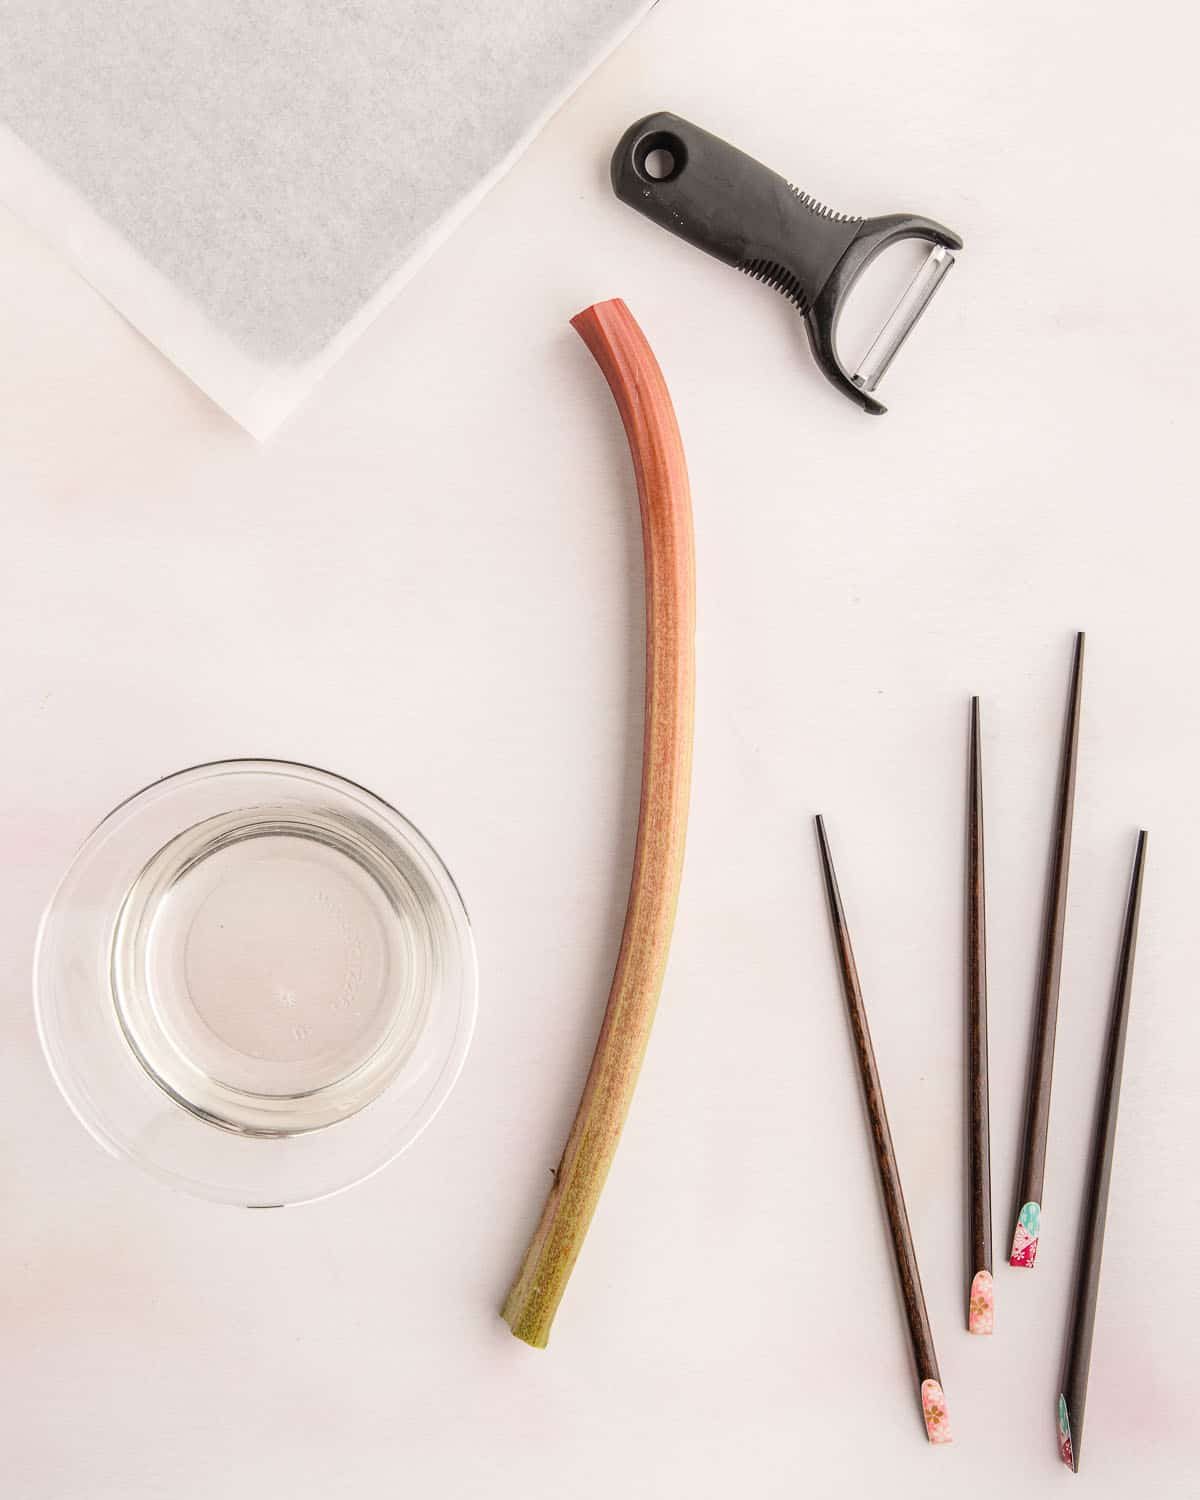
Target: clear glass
<point x="257" y="981"/>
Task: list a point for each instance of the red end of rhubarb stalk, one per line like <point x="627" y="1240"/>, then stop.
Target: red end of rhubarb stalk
<point x="620" y="349"/>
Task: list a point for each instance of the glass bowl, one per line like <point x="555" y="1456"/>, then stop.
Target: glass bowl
<point x="257" y="981"/>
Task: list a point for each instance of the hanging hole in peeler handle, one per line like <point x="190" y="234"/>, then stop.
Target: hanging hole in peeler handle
<point x="660" y="157"/>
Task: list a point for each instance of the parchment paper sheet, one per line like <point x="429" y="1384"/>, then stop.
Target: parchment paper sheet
<point x="250" y="181"/>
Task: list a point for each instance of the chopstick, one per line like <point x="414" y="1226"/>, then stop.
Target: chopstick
<point x="1095" y="1213"/>
<point x="1028" y="1207"/>
<point x="933" y="1401"/>
<point x="981" y="1292"/>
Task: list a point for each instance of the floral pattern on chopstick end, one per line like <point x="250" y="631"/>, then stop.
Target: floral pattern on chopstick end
<point x="937" y="1419"/>
<point x="1025" y="1240"/>
<point x="981" y="1306"/>
<point x="1065" y="1451"/>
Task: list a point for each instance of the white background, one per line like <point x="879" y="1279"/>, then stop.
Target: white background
<point x="431" y="582"/>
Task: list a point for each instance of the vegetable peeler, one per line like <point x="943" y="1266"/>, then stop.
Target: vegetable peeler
<point x="723" y="201"/>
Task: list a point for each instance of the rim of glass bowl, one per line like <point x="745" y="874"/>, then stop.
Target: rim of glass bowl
<point x="109" y="1090"/>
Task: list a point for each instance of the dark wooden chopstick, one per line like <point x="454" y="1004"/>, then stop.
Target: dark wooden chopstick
<point x="933" y="1401"/>
<point x="980" y="1293"/>
<point x="1073" y="1398"/>
<point x="1028" y="1206"/>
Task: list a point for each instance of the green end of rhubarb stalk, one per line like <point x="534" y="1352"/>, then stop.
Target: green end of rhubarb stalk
<point x="620" y="349"/>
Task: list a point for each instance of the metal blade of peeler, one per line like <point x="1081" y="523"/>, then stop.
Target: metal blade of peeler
<point x="903" y="318"/>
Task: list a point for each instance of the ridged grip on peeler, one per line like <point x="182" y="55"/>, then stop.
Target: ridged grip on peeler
<point x="726" y="203"/>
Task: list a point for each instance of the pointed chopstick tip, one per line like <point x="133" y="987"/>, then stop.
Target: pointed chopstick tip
<point x="823" y="843"/>
<point x="827" y="870"/>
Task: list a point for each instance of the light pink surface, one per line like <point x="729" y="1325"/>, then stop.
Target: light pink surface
<point x="431" y="583"/>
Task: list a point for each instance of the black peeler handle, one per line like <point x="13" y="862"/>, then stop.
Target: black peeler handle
<point x="726" y="203"/>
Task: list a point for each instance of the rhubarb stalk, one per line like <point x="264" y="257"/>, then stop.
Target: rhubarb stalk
<point x="627" y="361"/>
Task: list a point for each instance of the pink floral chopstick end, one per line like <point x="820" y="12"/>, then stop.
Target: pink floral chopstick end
<point x="1025" y="1239"/>
<point x="937" y="1419"/>
<point x="981" y="1308"/>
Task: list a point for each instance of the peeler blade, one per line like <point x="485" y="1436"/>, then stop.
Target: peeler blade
<point x="903" y="318"/>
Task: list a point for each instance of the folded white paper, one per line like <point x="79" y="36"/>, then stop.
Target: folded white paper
<point x="250" y="181"/>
